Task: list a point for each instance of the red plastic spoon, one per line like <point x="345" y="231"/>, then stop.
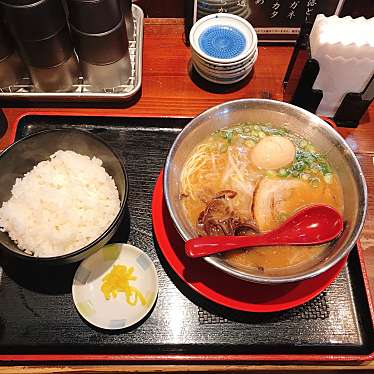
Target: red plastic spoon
<point x="315" y="224"/>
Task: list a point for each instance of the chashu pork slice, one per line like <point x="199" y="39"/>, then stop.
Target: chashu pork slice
<point x="276" y="198"/>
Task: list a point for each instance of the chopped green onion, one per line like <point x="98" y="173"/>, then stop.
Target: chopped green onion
<point x="308" y="163"/>
<point x="282" y="172"/>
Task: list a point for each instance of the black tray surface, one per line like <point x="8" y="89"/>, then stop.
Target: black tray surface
<point x="37" y="314"/>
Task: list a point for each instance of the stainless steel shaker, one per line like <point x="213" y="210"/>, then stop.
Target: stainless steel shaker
<point x="100" y="38"/>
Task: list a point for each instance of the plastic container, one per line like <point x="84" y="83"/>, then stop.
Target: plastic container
<point x="94" y="16"/>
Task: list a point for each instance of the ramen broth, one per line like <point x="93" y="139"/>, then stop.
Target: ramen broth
<point x="249" y="178"/>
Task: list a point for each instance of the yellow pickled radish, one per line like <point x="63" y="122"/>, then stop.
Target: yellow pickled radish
<point x="118" y="280"/>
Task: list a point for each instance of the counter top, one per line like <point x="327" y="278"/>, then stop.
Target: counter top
<point x="169" y="91"/>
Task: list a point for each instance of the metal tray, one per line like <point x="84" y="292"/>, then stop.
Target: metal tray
<point x="38" y="320"/>
<point x="82" y="92"/>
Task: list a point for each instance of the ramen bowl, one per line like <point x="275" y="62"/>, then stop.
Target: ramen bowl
<point x="300" y="122"/>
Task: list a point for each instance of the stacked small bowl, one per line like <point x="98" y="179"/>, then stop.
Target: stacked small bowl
<point x="223" y="48"/>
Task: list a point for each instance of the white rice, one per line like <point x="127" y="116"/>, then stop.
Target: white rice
<point x="61" y="205"/>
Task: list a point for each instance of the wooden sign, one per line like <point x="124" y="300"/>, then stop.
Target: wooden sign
<point x="275" y="21"/>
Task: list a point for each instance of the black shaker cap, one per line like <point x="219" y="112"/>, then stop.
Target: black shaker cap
<point x="94" y="16"/>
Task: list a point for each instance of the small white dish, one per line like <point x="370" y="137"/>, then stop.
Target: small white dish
<point x="224" y="20"/>
<point x="115" y="313"/>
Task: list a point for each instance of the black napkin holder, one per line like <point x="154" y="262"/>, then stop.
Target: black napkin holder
<point x="300" y="76"/>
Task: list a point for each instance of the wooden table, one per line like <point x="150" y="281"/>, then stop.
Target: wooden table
<point x="168" y="90"/>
